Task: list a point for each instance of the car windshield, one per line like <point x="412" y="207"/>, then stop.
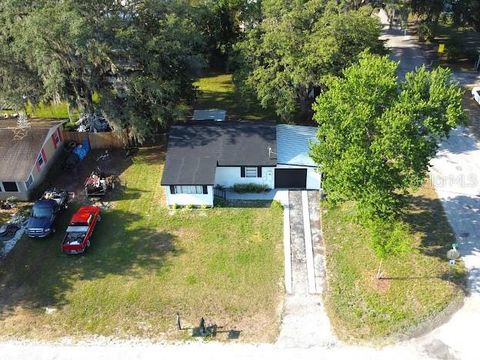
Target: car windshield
<point x="40" y="212"/>
<point x="78" y="224"/>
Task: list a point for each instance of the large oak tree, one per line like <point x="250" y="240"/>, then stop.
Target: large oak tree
<point x="285" y="57"/>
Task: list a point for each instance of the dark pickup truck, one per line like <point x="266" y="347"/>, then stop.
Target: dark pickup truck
<point x="44" y="212"/>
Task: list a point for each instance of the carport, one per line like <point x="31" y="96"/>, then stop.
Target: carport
<point x="295" y="168"/>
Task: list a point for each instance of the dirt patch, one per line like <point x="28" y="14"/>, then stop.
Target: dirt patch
<point x="111" y="162"/>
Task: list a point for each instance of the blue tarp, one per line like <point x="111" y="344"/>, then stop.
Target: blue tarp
<point x="82" y="150"/>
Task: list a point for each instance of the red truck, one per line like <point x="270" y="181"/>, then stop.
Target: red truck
<point x="80" y="229"/>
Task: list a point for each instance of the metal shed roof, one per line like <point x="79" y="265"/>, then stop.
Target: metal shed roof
<point x="212" y="114"/>
<point x="293" y="144"/>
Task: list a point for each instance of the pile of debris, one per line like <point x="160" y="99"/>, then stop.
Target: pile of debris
<point x="10" y="233"/>
<point x="98" y="184"/>
<point x="93" y="123"/>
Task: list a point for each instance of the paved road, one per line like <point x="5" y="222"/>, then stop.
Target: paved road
<point x="456" y="176"/>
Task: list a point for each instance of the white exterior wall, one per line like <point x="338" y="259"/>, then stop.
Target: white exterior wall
<point x="189" y="199"/>
<point x="314" y="178"/>
<point x="229" y="176"/>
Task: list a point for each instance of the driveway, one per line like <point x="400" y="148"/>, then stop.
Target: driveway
<point x="304" y="322"/>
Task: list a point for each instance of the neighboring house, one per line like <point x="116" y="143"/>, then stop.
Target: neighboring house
<point x="25" y="157"/>
<point x="203" y="155"/>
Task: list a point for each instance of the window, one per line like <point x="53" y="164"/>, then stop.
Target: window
<point x="188" y="189"/>
<point x="10" y="186"/>
<point x="250" y="172"/>
<point x="40" y="160"/>
<point x="29" y="182"/>
<point x="55" y="139"/>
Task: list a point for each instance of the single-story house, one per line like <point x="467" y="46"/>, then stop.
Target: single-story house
<point x="204" y="155"/>
<point x="26" y="155"/>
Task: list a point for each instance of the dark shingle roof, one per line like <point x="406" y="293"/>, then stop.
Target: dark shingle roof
<point x="17" y="154"/>
<point x="195" y="149"/>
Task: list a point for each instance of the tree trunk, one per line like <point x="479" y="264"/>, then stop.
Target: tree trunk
<point x="69" y="112"/>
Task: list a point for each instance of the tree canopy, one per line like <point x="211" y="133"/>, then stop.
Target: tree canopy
<point x="377" y="135"/>
<point x="284" y="59"/>
<point x="141" y="57"/>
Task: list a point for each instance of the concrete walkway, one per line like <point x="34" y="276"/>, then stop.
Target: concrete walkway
<point x="305" y="323"/>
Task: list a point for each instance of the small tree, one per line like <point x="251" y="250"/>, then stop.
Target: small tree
<point x="377" y="136"/>
<point x="388" y="239"/>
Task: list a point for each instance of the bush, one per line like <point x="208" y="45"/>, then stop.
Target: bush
<point x="456" y="49"/>
<point x="219" y="202"/>
<point x="70" y="126"/>
<point x="250" y="188"/>
<point x="276" y="205"/>
<point x="426" y="31"/>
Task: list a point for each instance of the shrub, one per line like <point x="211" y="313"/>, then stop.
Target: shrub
<point x="189" y="207"/>
<point x="427" y="31"/>
<point x="70" y="126"/>
<point x="276" y="205"/>
<point x="250" y="188"/>
<point x="219" y="202"/>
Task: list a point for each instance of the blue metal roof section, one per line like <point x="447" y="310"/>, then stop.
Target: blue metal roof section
<point x="293" y="143"/>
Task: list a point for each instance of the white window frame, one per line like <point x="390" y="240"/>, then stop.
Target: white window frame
<point x="40" y="156"/>
<point x="56" y="139"/>
<point x="251" y="172"/>
<point x="27" y="185"/>
<point x="189" y="189"/>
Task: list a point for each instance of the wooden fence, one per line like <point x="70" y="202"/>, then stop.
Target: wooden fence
<point x="101" y="140"/>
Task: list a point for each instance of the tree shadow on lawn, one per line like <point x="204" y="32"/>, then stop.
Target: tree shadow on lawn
<point x="427" y="218"/>
<point x="36" y="274"/>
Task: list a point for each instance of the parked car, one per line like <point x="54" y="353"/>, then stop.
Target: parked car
<point x="80" y="229"/>
<point x="476" y="94"/>
<point x="44" y="212"/>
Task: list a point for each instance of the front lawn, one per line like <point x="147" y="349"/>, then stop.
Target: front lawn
<point x="416" y="287"/>
<point x="145" y="264"/>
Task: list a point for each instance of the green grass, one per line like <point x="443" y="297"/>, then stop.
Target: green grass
<point x="4" y="217"/>
<point x="415" y="287"/>
<point x="462" y="44"/>
<point x="217" y="91"/>
<point x="50" y="111"/>
<point x="147" y="262"/>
